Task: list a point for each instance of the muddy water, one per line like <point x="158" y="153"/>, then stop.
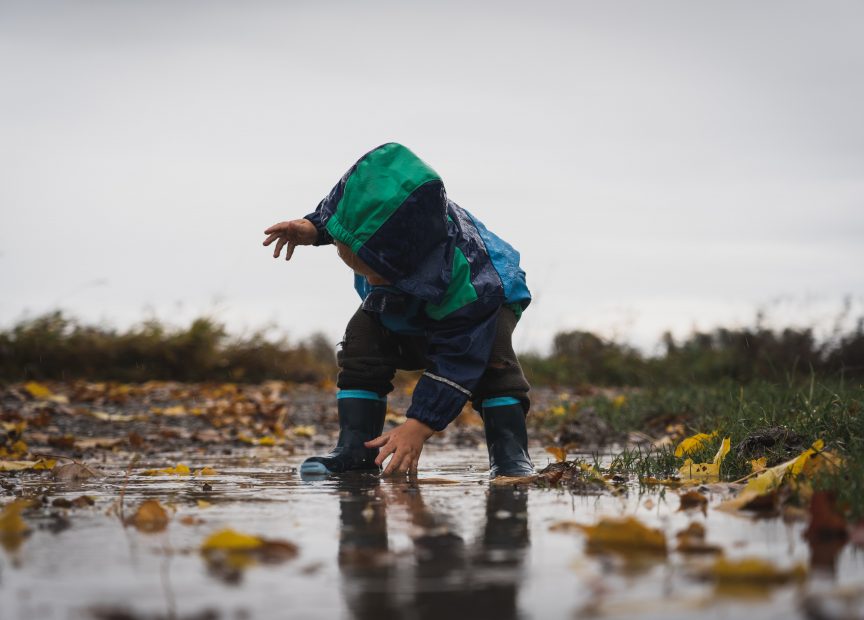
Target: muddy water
<point x="450" y="547"/>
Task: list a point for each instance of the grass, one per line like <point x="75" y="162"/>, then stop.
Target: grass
<point x="774" y="420"/>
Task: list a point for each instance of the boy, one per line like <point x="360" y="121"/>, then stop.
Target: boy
<point x="440" y="293"/>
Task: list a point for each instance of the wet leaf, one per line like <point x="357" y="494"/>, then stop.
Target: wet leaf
<point x="206" y="471"/>
<point x="627" y="535"/>
<point x="757" y="465"/>
<point x="150" y="517"/>
<point x="754" y="571"/>
<point x="707" y="472"/>
<point x="203" y="503"/>
<point x="694" y="443"/>
<point x="179" y="470"/>
<point x="231" y="540"/>
<point x="559" y="453"/>
<point x="37" y="390"/>
<point x="110" y="417"/>
<point x="693" y="499"/>
<point x="74" y="472"/>
<point x="770" y="479"/>
<point x="17" y="465"/>
<point x="13" y="529"/>
<point x="303" y="431"/>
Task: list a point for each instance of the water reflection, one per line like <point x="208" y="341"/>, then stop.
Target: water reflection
<point x="443" y="571"/>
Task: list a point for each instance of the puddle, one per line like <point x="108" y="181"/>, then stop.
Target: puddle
<point x="449" y="546"/>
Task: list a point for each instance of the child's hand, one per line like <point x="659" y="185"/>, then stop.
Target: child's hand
<point x="405" y="442"/>
<point x="294" y="233"/>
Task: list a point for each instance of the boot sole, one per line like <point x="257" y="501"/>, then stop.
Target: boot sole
<point x="314" y="469"/>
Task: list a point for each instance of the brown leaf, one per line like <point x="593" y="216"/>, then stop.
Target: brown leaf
<point x="693" y="499"/>
<point x="74" y="472"/>
<point x="559" y="453"/>
<point x="150" y="517"/>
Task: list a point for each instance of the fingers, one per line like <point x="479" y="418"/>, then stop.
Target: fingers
<point x="386" y="451"/>
<point x="378" y="441"/>
<point x="278" y="228"/>
<point x="403" y="462"/>
<point x="271" y="238"/>
<point x="289" y="251"/>
<point x="282" y="242"/>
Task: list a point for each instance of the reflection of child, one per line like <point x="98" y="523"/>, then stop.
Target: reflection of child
<point x="440" y="293"/>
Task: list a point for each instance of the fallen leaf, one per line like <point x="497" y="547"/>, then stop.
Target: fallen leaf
<point x="694" y="443"/>
<point x="150" y="517"/>
<point x="37" y="390"/>
<point x="626" y="534"/>
<point x="757" y="465"/>
<point x="74" y="472"/>
<point x="13" y="529"/>
<point x="179" y="470"/>
<point x="560" y="454"/>
<point x="693" y="499"/>
<point x="206" y="471"/>
<point x="203" y="503"/>
<point x="191" y="520"/>
<point x="303" y="431"/>
<point x="706" y="472"/>
<point x="754" y="571"/>
<point x="110" y="417"/>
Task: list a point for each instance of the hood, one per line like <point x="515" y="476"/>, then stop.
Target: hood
<point x="391" y="210"/>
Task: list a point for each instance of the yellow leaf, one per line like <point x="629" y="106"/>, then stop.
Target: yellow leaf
<point x="709" y="472"/>
<point x="150" y="517"/>
<point x="45" y="464"/>
<point x="769" y="479"/>
<point x="693" y="443"/>
<point x="37" y="390"/>
<point x="754" y="571"/>
<point x="267" y="441"/>
<point x="176" y="410"/>
<point x="619" y="401"/>
<point x="558" y="410"/>
<point x="231" y="540"/>
<point x="17" y="465"/>
<point x="206" y="471"/>
<point x="303" y="431"/>
<point x="757" y="465"/>
<point x="560" y="454"/>
<point x="179" y="470"/>
<point x="203" y="503"/>
<point x="626" y="534"/>
<point x="12" y="526"/>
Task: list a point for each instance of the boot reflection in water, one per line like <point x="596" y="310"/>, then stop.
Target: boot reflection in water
<point x="445" y="576"/>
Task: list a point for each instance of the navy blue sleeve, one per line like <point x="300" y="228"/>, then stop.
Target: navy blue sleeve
<point x="324" y="237"/>
<point x="458" y="353"/>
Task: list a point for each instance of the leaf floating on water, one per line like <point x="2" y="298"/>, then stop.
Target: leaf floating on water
<point x="754" y="571"/>
<point x="179" y="470"/>
<point x="13" y="529"/>
<point x="502" y="481"/>
<point x="231" y="540"/>
<point x="693" y="499"/>
<point x="707" y="472"/>
<point x="206" y="471"/>
<point x="74" y="472"/>
<point x="694" y="443"/>
<point x="150" y="517"/>
<point x="203" y="503"/>
<point x="626" y="535"/>
<point x="560" y="454"/>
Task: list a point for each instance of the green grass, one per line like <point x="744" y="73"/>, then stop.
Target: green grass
<point x="804" y="410"/>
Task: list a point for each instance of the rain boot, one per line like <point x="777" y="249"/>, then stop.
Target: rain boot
<point x="361" y="418"/>
<point x="506" y="437"/>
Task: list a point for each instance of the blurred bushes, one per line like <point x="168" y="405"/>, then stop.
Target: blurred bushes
<point x="740" y="355"/>
<point x="55" y="346"/>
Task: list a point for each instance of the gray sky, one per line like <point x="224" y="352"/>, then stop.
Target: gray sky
<point x="658" y="164"/>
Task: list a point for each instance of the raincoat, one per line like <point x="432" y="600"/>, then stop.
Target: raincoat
<point x="450" y="275"/>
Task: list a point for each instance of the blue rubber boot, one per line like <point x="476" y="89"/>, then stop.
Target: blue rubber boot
<point x="361" y="418"/>
<point x="506" y="437"/>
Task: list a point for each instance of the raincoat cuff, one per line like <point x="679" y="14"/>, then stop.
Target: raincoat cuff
<point x="436" y="404"/>
<point x="324" y="237"/>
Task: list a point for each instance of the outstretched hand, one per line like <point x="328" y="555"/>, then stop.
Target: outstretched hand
<point x="290" y="234"/>
<point x="405" y="443"/>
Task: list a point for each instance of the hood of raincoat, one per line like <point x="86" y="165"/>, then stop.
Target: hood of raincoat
<point x="390" y="209"/>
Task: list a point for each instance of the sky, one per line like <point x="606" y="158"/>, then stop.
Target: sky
<point x="664" y="165"/>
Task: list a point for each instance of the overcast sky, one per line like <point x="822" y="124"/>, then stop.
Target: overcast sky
<point x="660" y="165"/>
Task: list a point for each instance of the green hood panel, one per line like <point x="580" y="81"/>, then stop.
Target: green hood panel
<point x="375" y="189"/>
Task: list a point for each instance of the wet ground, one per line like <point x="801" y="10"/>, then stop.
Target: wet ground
<point x="449" y="545"/>
<point x="446" y="545"/>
